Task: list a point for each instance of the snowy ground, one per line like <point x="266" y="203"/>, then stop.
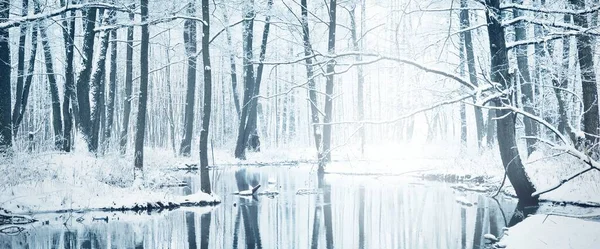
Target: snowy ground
<point x="552" y="232"/>
<point x="79" y="181"/>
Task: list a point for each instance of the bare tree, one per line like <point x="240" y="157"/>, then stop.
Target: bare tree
<point x="56" y="115"/>
<point x="506" y="119"/>
<point x="465" y="23"/>
<point x="525" y="80"/>
<point x="5" y="88"/>
<point x="189" y="37"/>
<point x="140" y="125"/>
<point x="588" y="76"/>
<point x="69" y="89"/>
<point x="128" y="87"/>
<point x="312" y="94"/>
<point x="250" y="131"/>
<point x="83" y="88"/>
<point x="247" y="36"/>
<point x="206" y="109"/>
<point x="326" y="154"/>
<point x="112" y="87"/>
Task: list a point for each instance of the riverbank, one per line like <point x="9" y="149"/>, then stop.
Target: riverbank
<point x="60" y="182"/>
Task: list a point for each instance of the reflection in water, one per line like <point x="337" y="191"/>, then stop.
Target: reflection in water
<point x="521" y="212"/>
<point x="477" y="236"/>
<point x="205" y="230"/>
<point x="326" y="189"/>
<point x="249" y="208"/>
<point x="348" y="212"/>
<point x="361" y="218"/>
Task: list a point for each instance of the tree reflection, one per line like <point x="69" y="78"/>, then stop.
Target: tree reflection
<point x="70" y="240"/>
<point x="478" y="235"/>
<point x="521" y="212"/>
<point x="205" y="230"/>
<point x="361" y="217"/>
<point x="249" y="210"/>
<point x="190" y="217"/>
<point x="325" y="189"/>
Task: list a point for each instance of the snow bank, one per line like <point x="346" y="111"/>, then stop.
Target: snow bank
<point x="79" y="181"/>
<point x="548" y="232"/>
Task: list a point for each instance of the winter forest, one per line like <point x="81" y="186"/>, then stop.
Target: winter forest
<point x="299" y="124"/>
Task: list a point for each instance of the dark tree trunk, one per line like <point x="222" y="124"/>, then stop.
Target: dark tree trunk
<point x="128" y="87"/>
<point x="69" y="90"/>
<point x="112" y="81"/>
<point x="28" y="79"/>
<point x="525" y="81"/>
<point x="326" y="153"/>
<point x="251" y="132"/>
<point x="560" y="83"/>
<point x="21" y="62"/>
<point x="5" y="89"/>
<point x="56" y="115"/>
<point x="247" y="35"/>
<point x="465" y="23"/>
<point x="83" y="81"/>
<point x="236" y="97"/>
<point x="98" y="88"/>
<point x="140" y="124"/>
<point x="206" y="109"/>
<point x="189" y="38"/>
<point x="588" y="76"/>
<point x="312" y="94"/>
<point x="506" y="124"/>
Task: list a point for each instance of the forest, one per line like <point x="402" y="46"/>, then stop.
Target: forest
<point x="341" y="107"/>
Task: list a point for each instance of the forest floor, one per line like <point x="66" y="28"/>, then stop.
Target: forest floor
<point x="60" y="182"/>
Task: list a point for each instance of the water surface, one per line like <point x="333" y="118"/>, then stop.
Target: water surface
<point x="308" y="212"/>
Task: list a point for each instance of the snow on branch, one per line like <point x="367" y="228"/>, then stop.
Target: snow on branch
<point x="424" y="109"/>
<point x="550" y="11"/>
<point x="413" y="63"/>
<point x="540" y="22"/>
<point x="15" y="21"/>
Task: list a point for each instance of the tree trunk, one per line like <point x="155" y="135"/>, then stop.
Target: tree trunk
<point x="189" y="38"/>
<point x="560" y="83"/>
<point x="251" y="133"/>
<point x="112" y="81"/>
<point x="28" y="79"/>
<point x="56" y="115"/>
<point x="359" y="74"/>
<point x="506" y="123"/>
<point x="326" y="153"/>
<point x="588" y="76"/>
<point x="466" y="23"/>
<point x="463" y="111"/>
<point x="5" y="88"/>
<point x="98" y="88"/>
<point x="236" y="97"/>
<point x="312" y="94"/>
<point x="206" y="109"/>
<point x="170" y="98"/>
<point x="140" y="124"/>
<point x="21" y="62"/>
<point x="69" y="90"/>
<point x="128" y="87"/>
<point x="83" y="81"/>
<point x="247" y="35"/>
<point x="525" y="81"/>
